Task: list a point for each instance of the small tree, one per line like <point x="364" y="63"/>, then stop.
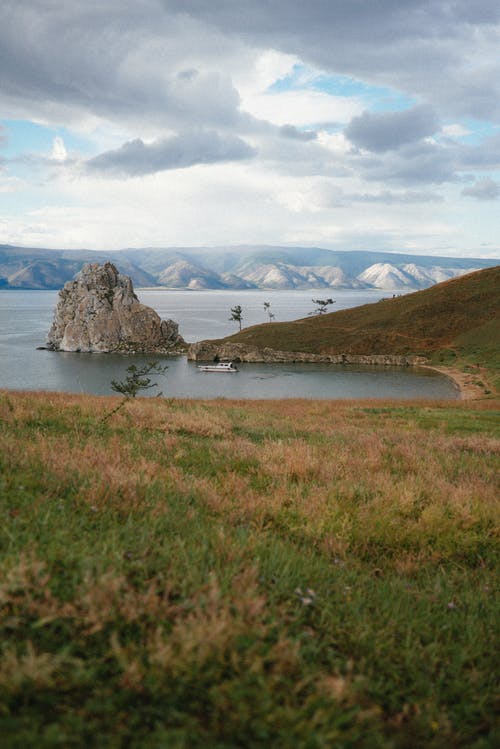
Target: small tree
<point x="322" y="306"/>
<point x="136" y="380"/>
<point x="237" y="314"/>
<point x="267" y="309"/>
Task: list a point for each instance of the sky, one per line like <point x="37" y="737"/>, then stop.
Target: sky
<point x="344" y="124"/>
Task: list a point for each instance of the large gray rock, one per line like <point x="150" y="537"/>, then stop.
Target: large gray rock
<point x="99" y="312"/>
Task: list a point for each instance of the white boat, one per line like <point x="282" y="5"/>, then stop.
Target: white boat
<point x="218" y="367"/>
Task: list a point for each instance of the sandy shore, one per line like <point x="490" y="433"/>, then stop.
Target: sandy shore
<point x="465" y="382"/>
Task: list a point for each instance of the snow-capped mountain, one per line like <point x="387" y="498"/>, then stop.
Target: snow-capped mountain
<point x="185" y="275"/>
<point x="408" y="275"/>
<point x="244" y="267"/>
<point x="287" y="276"/>
<point x="435" y="274"/>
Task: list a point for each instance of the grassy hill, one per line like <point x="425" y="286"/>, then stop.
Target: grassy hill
<point x="456" y="319"/>
<point x="223" y="574"/>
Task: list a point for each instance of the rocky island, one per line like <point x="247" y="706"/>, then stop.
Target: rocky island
<point x="98" y="312"/>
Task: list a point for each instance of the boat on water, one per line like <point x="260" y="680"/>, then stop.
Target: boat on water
<point x="218" y="367"/>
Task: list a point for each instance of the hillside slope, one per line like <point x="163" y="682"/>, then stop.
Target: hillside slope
<point x="455" y="315"/>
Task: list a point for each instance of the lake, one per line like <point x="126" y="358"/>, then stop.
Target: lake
<point x="25" y="318"/>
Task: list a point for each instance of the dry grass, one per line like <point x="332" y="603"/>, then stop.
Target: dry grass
<point x="335" y="470"/>
<point x="231" y="572"/>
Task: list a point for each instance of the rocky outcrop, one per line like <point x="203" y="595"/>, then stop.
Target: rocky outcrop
<point x="99" y="312"/>
<point x="209" y="351"/>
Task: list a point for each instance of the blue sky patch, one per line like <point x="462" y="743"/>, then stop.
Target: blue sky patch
<point x="478" y="130"/>
<point x="23" y="137"/>
<point x="377" y="98"/>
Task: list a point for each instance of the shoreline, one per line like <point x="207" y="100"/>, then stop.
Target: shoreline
<point x="471" y="385"/>
<point x="465" y="382"/>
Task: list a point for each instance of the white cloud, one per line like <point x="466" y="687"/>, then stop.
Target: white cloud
<point x="267" y="68"/>
<point x="455" y="130"/>
<point x="59" y="152"/>
<point x="301" y="108"/>
<point x="11" y="184"/>
<point x="144" y="79"/>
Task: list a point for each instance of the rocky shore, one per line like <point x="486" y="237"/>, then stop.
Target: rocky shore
<point x="239" y="352"/>
<point x="470" y="385"/>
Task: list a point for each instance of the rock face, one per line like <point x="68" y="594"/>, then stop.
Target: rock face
<point x="99" y="312"/>
<point x="208" y="351"/>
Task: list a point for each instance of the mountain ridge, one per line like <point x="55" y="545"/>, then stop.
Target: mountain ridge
<point x="237" y="267"/>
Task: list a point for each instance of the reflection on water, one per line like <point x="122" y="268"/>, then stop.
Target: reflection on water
<point x="25" y="318"/>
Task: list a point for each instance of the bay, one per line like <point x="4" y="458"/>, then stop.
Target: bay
<point x="25" y="318"/>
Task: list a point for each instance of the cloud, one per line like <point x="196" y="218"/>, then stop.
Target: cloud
<point x="301" y="107"/>
<point x="322" y="195"/>
<point x="431" y="161"/>
<point x="59" y="152"/>
<point x="483" y="189"/>
<point x="423" y="163"/>
<point x="299" y="157"/>
<point x="123" y="62"/>
<point x="167" y="62"/>
<point x="290" y="131"/>
<point x="137" y="158"/>
<point x="386" y="131"/>
<point x="250" y="88"/>
<point x="11" y="184"/>
<point x="455" y="130"/>
<point x="442" y="52"/>
<point x="427" y="161"/>
<point x="486" y="155"/>
<point x="387" y="197"/>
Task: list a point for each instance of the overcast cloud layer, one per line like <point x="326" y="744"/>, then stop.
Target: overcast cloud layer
<point x="352" y="125"/>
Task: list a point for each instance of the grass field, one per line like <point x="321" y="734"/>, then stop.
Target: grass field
<point x="247" y="574"/>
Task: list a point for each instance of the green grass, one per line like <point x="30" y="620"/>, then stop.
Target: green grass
<point x="219" y="574"/>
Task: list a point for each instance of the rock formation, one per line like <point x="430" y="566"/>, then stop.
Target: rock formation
<point x="99" y="312"/>
<point x="210" y="351"/>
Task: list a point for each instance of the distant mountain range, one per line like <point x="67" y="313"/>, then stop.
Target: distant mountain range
<point x="237" y="267"/>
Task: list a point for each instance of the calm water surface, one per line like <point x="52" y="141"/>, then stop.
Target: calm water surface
<point x="25" y="318"/>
